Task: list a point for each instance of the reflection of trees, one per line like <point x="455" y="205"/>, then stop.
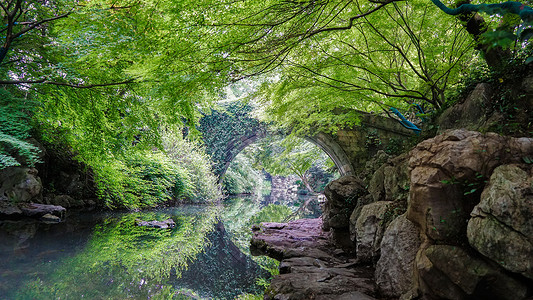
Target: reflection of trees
<point x="240" y="214"/>
<point x="123" y="260"/>
<point x="222" y="271"/>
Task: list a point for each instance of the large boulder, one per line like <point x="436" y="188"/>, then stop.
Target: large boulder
<point x="450" y="272"/>
<point x="370" y="227"/>
<point x="471" y="113"/>
<point x="19" y="184"/>
<point x="342" y="197"/>
<point x="391" y="181"/>
<point x="394" y="269"/>
<point x="447" y="174"/>
<point x="501" y="227"/>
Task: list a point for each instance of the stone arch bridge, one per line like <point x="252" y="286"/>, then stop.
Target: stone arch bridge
<point x="227" y="133"/>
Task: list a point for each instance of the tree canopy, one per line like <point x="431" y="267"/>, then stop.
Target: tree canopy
<point x="110" y="76"/>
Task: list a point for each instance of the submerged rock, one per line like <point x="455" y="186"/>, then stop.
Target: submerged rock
<point x="49" y="218"/>
<point x="168" y="223"/>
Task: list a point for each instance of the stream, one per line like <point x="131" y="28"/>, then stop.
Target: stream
<point x="105" y="255"/>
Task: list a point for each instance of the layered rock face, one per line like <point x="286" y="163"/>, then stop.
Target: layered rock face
<point x="450" y="220"/>
<point x="501" y="227"/>
<point x="311" y="266"/>
<point x="344" y="196"/>
<point x="470" y="197"/>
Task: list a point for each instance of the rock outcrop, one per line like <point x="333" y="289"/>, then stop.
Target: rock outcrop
<point x="471" y="113"/>
<point x="32" y="210"/>
<point x="501" y="227"/>
<point x="345" y="196"/>
<point x="447" y="174"/>
<point x="391" y="181"/>
<point x="18" y="184"/>
<point x="450" y="272"/>
<point x="467" y="232"/>
<point x="311" y="267"/>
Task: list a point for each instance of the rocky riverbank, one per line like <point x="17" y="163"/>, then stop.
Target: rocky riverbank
<point x="311" y="266"/>
<point x="449" y="220"/>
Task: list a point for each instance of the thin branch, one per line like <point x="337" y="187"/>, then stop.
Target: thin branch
<point x="78" y="86"/>
<point x="23" y="31"/>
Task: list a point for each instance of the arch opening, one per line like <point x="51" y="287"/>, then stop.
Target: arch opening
<point x="323" y="141"/>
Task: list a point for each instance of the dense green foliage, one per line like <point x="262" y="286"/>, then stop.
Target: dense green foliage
<point x="241" y="176"/>
<point x="15" y="127"/>
<point x="111" y="77"/>
<point x="94" y="96"/>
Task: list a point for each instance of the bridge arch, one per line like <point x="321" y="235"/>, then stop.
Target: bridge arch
<point x="329" y="146"/>
<point x="226" y="133"/>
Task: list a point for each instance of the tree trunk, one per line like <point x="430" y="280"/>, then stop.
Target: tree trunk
<point x="475" y="25"/>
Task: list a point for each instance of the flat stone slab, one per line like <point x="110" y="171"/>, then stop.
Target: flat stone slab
<point x="33" y="210"/>
<point x="310" y="266"/>
<point x="168" y="223"/>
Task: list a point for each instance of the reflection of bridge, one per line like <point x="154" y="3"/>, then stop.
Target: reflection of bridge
<point x="348" y="147"/>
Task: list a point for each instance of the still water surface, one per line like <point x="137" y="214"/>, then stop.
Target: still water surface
<point x="104" y="255"/>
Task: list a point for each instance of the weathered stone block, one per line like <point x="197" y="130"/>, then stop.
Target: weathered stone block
<point x="450" y="272"/>
<point x="370" y="227"/>
<point x="395" y="268"/>
<point x="342" y="195"/>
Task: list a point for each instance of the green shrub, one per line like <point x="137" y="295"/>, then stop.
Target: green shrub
<point x="241" y="177"/>
<point x="15" y="127"/>
<point x="147" y="178"/>
<point x="202" y="184"/>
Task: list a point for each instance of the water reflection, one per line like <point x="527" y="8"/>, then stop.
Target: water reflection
<point x="106" y="256"/>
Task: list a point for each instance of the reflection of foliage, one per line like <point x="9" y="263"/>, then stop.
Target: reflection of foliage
<point x="271" y="213"/>
<point x="239" y="215"/>
<point x="123" y="260"/>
